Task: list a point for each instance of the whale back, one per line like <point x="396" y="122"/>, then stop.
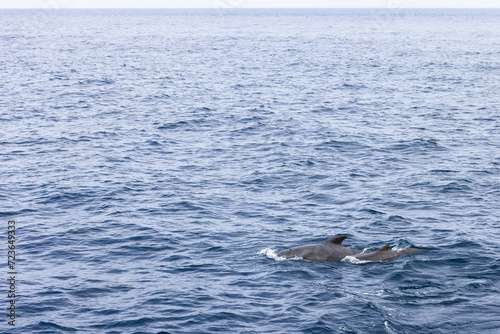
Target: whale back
<point x="329" y="250"/>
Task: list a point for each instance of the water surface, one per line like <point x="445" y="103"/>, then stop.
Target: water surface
<point x="149" y="156"/>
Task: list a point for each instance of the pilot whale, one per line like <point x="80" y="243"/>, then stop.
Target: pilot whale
<point x="333" y="250"/>
<point x="386" y="254"/>
<point x="330" y="250"/>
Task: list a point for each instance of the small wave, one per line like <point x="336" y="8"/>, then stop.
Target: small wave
<point x="347" y="85"/>
<point x="372" y="211"/>
<point x="54" y="326"/>
<point x="97" y="82"/>
<point x="455" y="187"/>
<point x="174" y="125"/>
<point x="399" y="248"/>
<point x="440" y="171"/>
<point x="420" y="145"/>
<point x="354" y="260"/>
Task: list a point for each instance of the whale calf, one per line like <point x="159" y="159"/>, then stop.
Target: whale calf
<point x="386" y="254"/>
<point x="333" y="250"/>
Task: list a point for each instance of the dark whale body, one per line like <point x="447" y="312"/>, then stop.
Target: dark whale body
<point x="386" y="254"/>
<point x="333" y="250"/>
<point x="330" y="250"/>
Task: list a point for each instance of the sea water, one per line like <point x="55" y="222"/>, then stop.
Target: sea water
<point x="156" y="161"/>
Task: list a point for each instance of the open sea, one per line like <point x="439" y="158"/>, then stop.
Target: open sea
<point x="155" y="161"/>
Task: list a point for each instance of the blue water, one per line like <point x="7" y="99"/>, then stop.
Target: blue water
<point x="155" y="161"/>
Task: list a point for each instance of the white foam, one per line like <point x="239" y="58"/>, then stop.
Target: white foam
<point x="366" y="250"/>
<point x="271" y="254"/>
<point x="354" y="260"/>
<point x="398" y="249"/>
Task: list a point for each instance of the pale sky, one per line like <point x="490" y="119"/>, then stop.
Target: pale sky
<point x="249" y="3"/>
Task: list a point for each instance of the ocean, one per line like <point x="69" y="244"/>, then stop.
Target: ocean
<point x="154" y="162"/>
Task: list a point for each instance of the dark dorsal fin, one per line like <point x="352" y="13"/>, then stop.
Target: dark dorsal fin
<point x="336" y="240"/>
<point x="384" y="248"/>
